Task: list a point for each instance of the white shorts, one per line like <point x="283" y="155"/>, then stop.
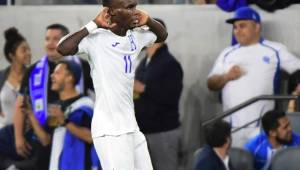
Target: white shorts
<point x="124" y="152"/>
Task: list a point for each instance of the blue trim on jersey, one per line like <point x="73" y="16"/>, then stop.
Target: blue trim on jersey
<point x="261" y="40"/>
<point x="235" y="47"/>
<point x="276" y="80"/>
<point x="232" y="50"/>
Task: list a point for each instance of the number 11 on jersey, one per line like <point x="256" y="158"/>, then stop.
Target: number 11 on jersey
<point x="128" y="63"/>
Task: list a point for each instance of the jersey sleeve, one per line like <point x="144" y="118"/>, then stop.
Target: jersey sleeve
<point x="250" y="146"/>
<point x="145" y="37"/>
<point x="218" y="67"/>
<point x="83" y="46"/>
<point x="289" y="62"/>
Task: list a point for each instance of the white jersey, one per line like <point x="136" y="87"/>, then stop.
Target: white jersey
<point x="261" y="64"/>
<point x="112" y="58"/>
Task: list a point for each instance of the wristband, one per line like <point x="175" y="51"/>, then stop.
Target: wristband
<point x="91" y="26"/>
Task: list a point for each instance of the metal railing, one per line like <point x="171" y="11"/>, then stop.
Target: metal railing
<point x="246" y="103"/>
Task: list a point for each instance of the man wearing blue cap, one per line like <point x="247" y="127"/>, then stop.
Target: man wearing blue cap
<point x="253" y="61"/>
<point x="72" y="139"/>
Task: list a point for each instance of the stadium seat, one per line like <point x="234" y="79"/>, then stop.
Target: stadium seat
<point x="295" y="121"/>
<point x="286" y="159"/>
<point x="241" y="159"/>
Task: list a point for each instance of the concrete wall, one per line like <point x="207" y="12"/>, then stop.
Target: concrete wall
<point x="197" y="34"/>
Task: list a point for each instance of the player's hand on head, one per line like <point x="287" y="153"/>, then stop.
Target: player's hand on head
<point x="141" y="17"/>
<point x="103" y="19"/>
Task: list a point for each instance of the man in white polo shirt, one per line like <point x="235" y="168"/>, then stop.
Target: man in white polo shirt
<point x="113" y="41"/>
<point x="249" y="69"/>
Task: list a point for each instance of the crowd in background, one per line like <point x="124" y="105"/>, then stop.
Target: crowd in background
<point x="226" y="5"/>
<point x="160" y="97"/>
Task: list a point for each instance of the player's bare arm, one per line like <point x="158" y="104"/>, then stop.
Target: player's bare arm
<point x="154" y="26"/>
<point x="69" y="44"/>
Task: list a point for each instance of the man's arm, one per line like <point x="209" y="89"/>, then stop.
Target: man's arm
<point x="69" y="44"/>
<point x="154" y="26"/>
<point x="82" y="133"/>
<point x="22" y="147"/>
<point x="158" y="30"/>
<point x="217" y="82"/>
<point x="42" y="135"/>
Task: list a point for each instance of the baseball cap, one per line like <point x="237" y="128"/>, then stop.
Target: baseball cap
<point x="244" y="13"/>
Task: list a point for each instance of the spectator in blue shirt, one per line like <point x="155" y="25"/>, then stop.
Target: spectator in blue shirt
<point x="277" y="135"/>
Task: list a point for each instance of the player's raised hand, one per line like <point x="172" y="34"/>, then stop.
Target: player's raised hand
<point x="141" y="17"/>
<point x="103" y="19"/>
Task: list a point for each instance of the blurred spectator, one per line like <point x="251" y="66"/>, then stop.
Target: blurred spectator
<point x="253" y="61"/>
<point x="72" y="140"/>
<point x="200" y="2"/>
<point x="55" y="2"/>
<point x="272" y="5"/>
<point x="158" y="85"/>
<point x="3" y="2"/>
<point x="267" y="5"/>
<point x="294" y="89"/>
<point x="35" y="84"/>
<point x="156" y="1"/>
<point x="17" y="53"/>
<point x="74" y="2"/>
<point x="277" y="135"/>
<point x="214" y="155"/>
<point x="38" y="144"/>
<point x="231" y="5"/>
<point x="7" y="2"/>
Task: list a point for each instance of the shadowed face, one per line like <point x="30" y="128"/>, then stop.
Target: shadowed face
<point x="60" y="77"/>
<point x="246" y="32"/>
<point x="283" y="133"/>
<point x="22" y="54"/>
<point x="51" y="40"/>
<point x="122" y="11"/>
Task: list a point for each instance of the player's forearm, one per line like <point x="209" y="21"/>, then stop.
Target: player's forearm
<point x="217" y="82"/>
<point x="69" y="44"/>
<point x="158" y="30"/>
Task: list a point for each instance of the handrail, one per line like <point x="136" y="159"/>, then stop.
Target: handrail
<point x="245" y="125"/>
<point x="246" y="103"/>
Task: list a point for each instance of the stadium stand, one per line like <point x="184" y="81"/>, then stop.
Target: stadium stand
<point x="295" y="121"/>
<point x="286" y="159"/>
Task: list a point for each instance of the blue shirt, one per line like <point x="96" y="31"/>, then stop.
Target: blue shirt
<point x="262" y="150"/>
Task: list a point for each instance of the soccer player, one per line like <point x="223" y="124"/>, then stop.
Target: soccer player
<point x="113" y="41"/>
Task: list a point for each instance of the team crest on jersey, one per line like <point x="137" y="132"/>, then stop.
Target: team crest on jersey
<point x="266" y="59"/>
